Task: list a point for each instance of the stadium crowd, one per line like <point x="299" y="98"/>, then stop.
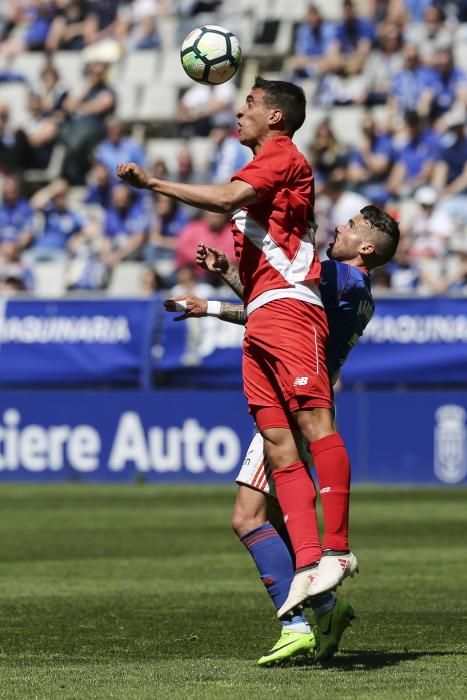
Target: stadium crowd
<point x="387" y="89"/>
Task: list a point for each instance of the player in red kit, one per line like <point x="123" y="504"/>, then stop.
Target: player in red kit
<point x="284" y="365"/>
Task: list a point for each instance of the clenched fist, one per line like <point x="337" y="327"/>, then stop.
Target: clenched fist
<point x="134" y="175"/>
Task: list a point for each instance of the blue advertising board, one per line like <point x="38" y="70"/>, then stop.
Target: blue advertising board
<point x="200" y="436"/>
<point x="134" y="342"/>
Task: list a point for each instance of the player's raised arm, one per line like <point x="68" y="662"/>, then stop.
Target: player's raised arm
<point x="218" y="198"/>
<point x="215" y="260"/>
<point x="194" y="307"/>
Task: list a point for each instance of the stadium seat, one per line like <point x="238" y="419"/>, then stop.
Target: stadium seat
<point x="70" y="66"/>
<point x="346" y="123"/>
<point x="15" y="96"/>
<point x="126" y="280"/>
<point x="139" y="67"/>
<point x="172" y="71"/>
<point x="53" y="169"/>
<point x="49" y="279"/>
<point x="273" y="38"/>
<point x="128" y="101"/>
<point x="159" y="103"/>
<point x="29" y="64"/>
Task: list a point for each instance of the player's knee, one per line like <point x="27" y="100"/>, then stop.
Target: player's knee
<point x="315" y="424"/>
<point x="245" y="520"/>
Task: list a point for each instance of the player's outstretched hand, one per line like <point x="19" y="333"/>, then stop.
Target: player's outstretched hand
<point x="211" y="259"/>
<point x="134" y="175"/>
<point x="193" y="307"/>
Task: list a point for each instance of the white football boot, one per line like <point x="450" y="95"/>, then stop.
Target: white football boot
<point x="298" y="592"/>
<point x="331" y="571"/>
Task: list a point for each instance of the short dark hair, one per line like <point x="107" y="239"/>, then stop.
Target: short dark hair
<point x="289" y="98"/>
<point x="386" y="233"/>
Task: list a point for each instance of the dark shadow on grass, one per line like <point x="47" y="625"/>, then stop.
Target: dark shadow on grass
<point x="368" y="660"/>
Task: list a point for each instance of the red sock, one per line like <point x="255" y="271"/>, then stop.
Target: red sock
<point x="333" y="470"/>
<point x="297" y="495"/>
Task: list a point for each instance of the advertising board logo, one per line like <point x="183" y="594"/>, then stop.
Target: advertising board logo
<point x="450" y="458"/>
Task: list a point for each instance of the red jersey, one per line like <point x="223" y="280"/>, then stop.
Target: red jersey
<point x="274" y="239"/>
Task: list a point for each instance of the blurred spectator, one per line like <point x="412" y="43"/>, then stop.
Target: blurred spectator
<point x="186" y="171"/>
<point x="188" y="283"/>
<point x="380" y="282"/>
<point x="33" y="20"/>
<point x="150" y="282"/>
<point x="52" y="90"/>
<point x="450" y="86"/>
<point x="35" y="141"/>
<point x="168" y="220"/>
<point x="229" y="155"/>
<point x="403" y="271"/>
<point x="344" y="203"/>
<point x="355" y="37"/>
<point x="415" y="159"/>
<point x="383" y="64"/>
<point x="10" y="143"/>
<point x="408" y="11"/>
<point x="100" y="20"/>
<point x="59" y="222"/>
<point x="429" y="228"/>
<point x="202" y="107"/>
<point x="455" y="281"/>
<point x="118" y="147"/>
<point x="136" y="25"/>
<point x="15" y="275"/>
<point x="314" y="40"/>
<point x="412" y="87"/>
<point x="429" y="35"/>
<point x="86" y="269"/>
<point x="99" y="187"/>
<point x="126" y="228"/>
<point x="68" y="26"/>
<point x="450" y="170"/>
<point x="16" y="216"/>
<point x="214" y="230"/>
<point x="160" y="169"/>
<point x="86" y="111"/>
<point x="369" y="165"/>
<point x="327" y="154"/>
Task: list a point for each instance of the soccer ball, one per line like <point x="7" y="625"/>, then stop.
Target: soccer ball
<point x="211" y="55"/>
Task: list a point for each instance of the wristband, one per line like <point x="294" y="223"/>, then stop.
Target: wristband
<point x="214" y="308"/>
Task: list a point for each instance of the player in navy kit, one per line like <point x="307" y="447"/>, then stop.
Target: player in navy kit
<point x="346" y="295"/>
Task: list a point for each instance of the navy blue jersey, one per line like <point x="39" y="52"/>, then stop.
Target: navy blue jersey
<point x="346" y="294"/>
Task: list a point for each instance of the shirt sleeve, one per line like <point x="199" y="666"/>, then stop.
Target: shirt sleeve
<point x="266" y="173"/>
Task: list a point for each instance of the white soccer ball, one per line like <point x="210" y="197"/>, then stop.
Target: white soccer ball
<point x="211" y="55"/>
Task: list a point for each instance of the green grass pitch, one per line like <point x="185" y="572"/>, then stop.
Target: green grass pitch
<point x="144" y="592"/>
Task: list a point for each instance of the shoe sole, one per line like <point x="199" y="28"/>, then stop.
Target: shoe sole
<point x="283" y="662"/>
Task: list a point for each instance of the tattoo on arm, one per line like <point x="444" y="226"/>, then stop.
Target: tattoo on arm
<point x="234" y="313"/>
<point x="232" y="278"/>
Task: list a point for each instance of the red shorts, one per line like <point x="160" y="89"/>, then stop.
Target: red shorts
<point x="284" y="361"/>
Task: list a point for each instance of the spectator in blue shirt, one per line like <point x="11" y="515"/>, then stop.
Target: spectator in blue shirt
<point x="16" y="215"/>
<point x="59" y="222"/>
<point x="229" y="155"/>
<point x="414" y="161"/>
<point x="406" y="11"/>
<point x="168" y="220"/>
<point x="118" y="147"/>
<point x="413" y="86"/>
<point x="450" y="171"/>
<point x="450" y="83"/>
<point x="313" y="43"/>
<point x="355" y="37"/>
<point x="125" y="229"/>
<point x="370" y="163"/>
<point x="99" y="187"/>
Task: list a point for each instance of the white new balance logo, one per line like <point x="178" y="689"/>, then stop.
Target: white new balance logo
<point x="300" y="381"/>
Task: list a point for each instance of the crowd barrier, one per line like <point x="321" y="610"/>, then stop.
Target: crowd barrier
<point x="136" y="343"/>
<point x="200" y="436"/>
